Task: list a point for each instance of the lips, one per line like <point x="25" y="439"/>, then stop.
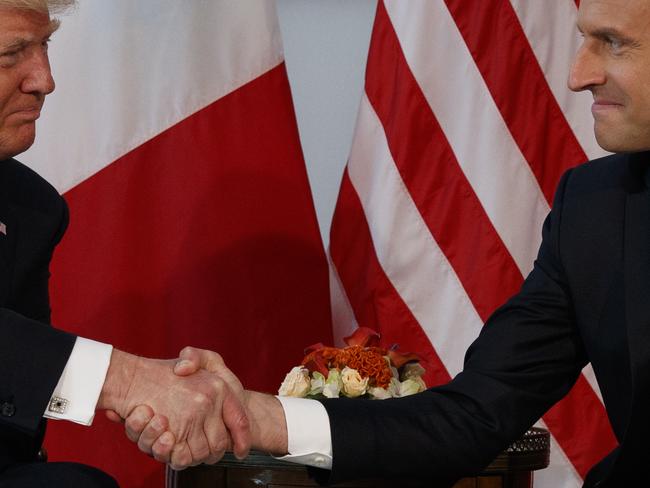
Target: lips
<point x="603" y="105"/>
<point x="605" y="102"/>
<point x="28" y="113"/>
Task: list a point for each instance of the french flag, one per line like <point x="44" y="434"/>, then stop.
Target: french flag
<point x="173" y="138"/>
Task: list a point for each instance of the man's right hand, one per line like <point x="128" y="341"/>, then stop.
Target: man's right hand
<point x="265" y="414"/>
<point x="194" y="406"/>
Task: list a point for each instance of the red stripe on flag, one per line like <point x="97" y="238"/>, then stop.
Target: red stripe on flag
<point x="580" y="425"/>
<point x="433" y="177"/>
<point x="518" y="86"/>
<point x="205" y="235"/>
<point x="374" y="300"/>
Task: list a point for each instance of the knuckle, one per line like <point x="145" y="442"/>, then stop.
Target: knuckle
<point x="200" y="400"/>
<point x="160" y="454"/>
<point x="182" y="459"/>
<point x="158" y="424"/>
<point x="220" y="446"/>
<point x="132" y="435"/>
<point x="144" y="446"/>
<point x="242" y="421"/>
<point x="134" y="423"/>
<point x="187" y="350"/>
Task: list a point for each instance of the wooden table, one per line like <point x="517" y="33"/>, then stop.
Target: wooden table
<point x="513" y="468"/>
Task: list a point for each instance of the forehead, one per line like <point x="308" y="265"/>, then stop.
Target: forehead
<point x="622" y="15"/>
<point x="21" y="24"/>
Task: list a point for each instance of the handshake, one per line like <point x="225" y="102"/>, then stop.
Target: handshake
<point x="191" y="410"/>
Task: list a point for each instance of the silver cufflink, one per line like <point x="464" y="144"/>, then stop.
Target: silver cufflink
<point x="57" y="405"/>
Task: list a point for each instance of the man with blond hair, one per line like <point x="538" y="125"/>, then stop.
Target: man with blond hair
<point x="48" y="373"/>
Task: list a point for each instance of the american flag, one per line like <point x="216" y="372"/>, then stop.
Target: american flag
<point x="463" y="132"/>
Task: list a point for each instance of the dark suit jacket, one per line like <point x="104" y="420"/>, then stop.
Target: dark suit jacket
<point x="587" y="299"/>
<point x="32" y="354"/>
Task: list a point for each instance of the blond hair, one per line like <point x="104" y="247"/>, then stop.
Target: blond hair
<point x="42" y="6"/>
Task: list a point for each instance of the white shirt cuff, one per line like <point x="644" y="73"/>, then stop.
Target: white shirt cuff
<point x="308" y="432"/>
<point x="76" y="394"/>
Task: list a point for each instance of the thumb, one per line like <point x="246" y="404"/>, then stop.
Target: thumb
<point x="191" y="359"/>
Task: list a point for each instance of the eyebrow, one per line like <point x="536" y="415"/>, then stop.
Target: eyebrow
<point x="607" y="33"/>
<point x="19" y="43"/>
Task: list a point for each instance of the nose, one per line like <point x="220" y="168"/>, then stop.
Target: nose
<point x="587" y="70"/>
<point x="38" y="76"/>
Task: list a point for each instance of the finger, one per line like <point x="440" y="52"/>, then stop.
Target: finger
<point x="186" y="367"/>
<point x="235" y="418"/>
<point x="213" y="426"/>
<point x="189" y="361"/>
<point x="217" y="435"/>
<point x="152" y="431"/>
<point x="234" y="413"/>
<point x="136" y="422"/>
<point x="198" y="445"/>
<point x="194" y="356"/>
<point x="162" y="447"/>
<point x="113" y="416"/>
<point x="181" y="456"/>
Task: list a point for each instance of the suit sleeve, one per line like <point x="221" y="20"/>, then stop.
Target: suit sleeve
<point x="32" y="354"/>
<point x="526" y="358"/>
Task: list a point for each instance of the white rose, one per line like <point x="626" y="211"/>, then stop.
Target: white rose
<point x="393" y="387"/>
<point x="377" y="393"/>
<point x="332" y="384"/>
<point x="353" y="384"/>
<point x="412" y="370"/>
<point x="317" y="383"/>
<point x="296" y="383"/>
<point x="411" y="386"/>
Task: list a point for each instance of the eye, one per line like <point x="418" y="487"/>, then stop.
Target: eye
<point x="9" y="58"/>
<point x="614" y="43"/>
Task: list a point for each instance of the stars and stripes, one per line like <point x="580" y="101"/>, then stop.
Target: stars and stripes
<point x="463" y="132"/>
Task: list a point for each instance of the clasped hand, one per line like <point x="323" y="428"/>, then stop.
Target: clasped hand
<point x="184" y="412"/>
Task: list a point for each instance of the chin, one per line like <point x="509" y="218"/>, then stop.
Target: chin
<point x="616" y="143"/>
<point x="15" y="144"/>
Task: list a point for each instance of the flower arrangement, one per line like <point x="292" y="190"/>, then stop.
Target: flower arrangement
<point x="361" y="369"/>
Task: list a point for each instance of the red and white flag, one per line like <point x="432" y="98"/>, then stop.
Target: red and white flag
<point x="463" y="132"/>
<point x="173" y="138"/>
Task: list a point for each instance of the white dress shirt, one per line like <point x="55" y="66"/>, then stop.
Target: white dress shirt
<point x="77" y="392"/>
<point x="308" y="432"/>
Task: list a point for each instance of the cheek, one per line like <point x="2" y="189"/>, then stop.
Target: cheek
<point x="635" y="87"/>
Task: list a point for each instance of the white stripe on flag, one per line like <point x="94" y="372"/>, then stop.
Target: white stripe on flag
<point x="406" y="250"/>
<point x="460" y="100"/>
<point x="343" y="319"/>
